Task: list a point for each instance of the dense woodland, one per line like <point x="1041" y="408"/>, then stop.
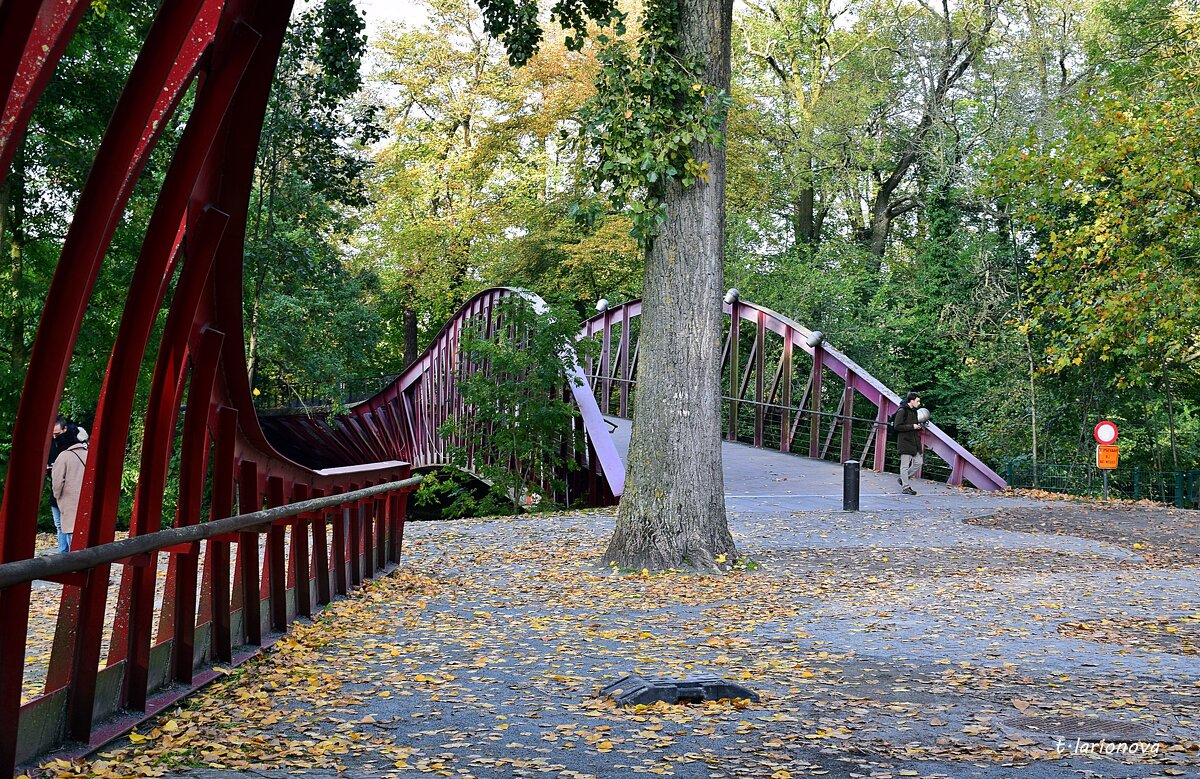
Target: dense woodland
<point x="992" y="201"/>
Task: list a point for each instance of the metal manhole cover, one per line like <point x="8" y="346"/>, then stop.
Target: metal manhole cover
<point x="1082" y="728"/>
<point x="646" y="690"/>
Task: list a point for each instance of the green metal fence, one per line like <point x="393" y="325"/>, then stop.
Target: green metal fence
<point x="1178" y="488"/>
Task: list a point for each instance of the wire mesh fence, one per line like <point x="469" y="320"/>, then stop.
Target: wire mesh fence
<point x="296" y="397"/>
<point x="1178" y="488"/>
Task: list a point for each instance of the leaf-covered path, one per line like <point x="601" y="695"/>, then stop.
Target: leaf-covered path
<point x="886" y="644"/>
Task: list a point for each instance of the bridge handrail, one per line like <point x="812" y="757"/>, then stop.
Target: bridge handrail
<point x="606" y="451"/>
<point x="45" y="568"/>
<point x="933" y="436"/>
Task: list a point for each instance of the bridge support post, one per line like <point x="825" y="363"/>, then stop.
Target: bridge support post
<point x="848" y="419"/>
<point x="321" y="552"/>
<point x="881" y="419"/>
<point x="301" y="555"/>
<point x="277" y="560"/>
<point x="355" y="552"/>
<point x="814" y="399"/>
<point x="735" y="318"/>
<point x="785" y="372"/>
<point x="249" y="499"/>
<point x="760" y="361"/>
<point x="340" y="520"/>
<point x="216" y="560"/>
<point x="366" y="512"/>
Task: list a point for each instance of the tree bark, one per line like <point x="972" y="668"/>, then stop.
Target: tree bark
<point x="1171" y="420"/>
<point x="410" y="335"/>
<point x="672" y="514"/>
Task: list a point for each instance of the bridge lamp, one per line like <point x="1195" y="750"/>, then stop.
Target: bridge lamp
<point x="815" y="339"/>
<point x="601" y="306"/>
<point x="732" y="295"/>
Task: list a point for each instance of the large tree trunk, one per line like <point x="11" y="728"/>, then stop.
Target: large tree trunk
<point x="803" y="207"/>
<point x="672" y="514"/>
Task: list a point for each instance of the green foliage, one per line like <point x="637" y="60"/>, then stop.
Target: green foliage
<point x="512" y="434"/>
<point x="651" y="110"/>
<point x="516" y="22"/>
<point x="473" y="187"/>
<point x="307" y="314"/>
<point x="455" y="495"/>
<point x="1112" y="205"/>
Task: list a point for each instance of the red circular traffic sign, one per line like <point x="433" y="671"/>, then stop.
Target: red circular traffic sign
<point x="1105" y="433"/>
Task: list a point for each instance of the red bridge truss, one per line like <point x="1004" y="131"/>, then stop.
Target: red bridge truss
<point x="402" y="422"/>
<point x="289" y="559"/>
<point x="785" y="388"/>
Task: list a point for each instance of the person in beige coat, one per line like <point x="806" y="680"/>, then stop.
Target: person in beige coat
<point x="67" y="482"/>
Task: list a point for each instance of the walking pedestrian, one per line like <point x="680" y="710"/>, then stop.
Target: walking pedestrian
<point x="908" y="440"/>
<point x="59" y="441"/>
<point x="66" y="482"/>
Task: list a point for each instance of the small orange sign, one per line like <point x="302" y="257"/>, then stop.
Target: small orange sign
<point x="1106" y="457"/>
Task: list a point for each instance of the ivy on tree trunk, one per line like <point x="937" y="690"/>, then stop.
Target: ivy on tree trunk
<point x="657" y="127"/>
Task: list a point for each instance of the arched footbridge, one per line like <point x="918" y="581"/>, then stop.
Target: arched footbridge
<point x="785" y="389"/>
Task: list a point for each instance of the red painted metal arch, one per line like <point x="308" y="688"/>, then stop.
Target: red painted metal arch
<point x="228" y="49"/>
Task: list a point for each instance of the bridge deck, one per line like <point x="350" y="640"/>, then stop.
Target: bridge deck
<point x="766" y="479"/>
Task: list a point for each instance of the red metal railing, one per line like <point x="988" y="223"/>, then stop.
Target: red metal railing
<point x="762" y="386"/>
<point x="404" y="420"/>
<point x="190" y="260"/>
<point x="310" y="551"/>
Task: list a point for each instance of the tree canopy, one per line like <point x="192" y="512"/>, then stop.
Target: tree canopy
<point x="990" y="201"/>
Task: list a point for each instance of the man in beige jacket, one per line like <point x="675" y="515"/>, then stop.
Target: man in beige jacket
<point x="66" y="482"/>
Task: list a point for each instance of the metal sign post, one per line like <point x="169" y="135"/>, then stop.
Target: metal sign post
<point x="1107" y="452"/>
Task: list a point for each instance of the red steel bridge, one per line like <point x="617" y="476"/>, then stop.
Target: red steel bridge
<point x="785" y="388"/>
<point x="297" y="511"/>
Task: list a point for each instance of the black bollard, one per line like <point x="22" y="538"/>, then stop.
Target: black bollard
<point x="850" y="472"/>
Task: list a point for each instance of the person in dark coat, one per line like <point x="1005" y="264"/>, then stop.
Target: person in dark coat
<point x="61" y="438"/>
<point x="908" y="440"/>
<point x="66" y="483"/>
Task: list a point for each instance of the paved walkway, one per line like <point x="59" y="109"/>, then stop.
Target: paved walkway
<point x="897" y="642"/>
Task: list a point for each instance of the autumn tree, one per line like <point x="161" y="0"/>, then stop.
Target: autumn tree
<point x="307" y="322"/>
<point x="656" y="131"/>
<point x="1110" y="208"/>
<point x="474" y="184"/>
